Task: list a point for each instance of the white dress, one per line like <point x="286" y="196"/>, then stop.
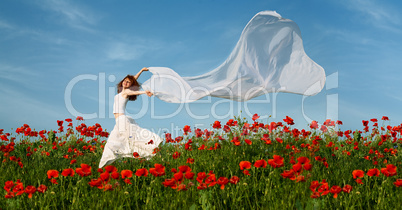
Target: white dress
<point x="127" y="137"/>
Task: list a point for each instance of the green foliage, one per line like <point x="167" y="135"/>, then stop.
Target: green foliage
<point x="333" y="159"/>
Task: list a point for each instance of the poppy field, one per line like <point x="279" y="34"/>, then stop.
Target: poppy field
<point x="235" y="164"/>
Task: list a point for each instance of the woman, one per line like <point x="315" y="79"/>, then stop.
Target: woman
<point x="127" y="138"/>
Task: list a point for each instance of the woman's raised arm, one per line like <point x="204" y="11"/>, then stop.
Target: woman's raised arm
<point x="139" y="73"/>
<point x="128" y="92"/>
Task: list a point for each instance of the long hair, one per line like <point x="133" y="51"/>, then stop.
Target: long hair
<point x="134" y="86"/>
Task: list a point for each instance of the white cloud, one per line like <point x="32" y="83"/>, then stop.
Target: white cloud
<point x="16" y="74"/>
<point x="123" y="47"/>
<point x="5" y="24"/>
<point x="376" y="13"/>
<point x="77" y="16"/>
<point x="348" y="36"/>
<point x="123" y="51"/>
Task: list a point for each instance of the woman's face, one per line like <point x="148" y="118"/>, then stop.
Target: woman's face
<point x="127" y="83"/>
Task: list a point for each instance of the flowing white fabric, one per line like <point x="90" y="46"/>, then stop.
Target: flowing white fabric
<point x="126" y="138"/>
<point x="269" y="57"/>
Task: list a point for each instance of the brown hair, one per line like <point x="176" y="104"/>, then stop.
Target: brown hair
<point x="134" y="86"/>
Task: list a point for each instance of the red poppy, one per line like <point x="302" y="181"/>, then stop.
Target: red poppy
<point x="314" y="185"/>
<point x="178" y="176"/>
<point x="217" y="125"/>
<point x="314" y="125"/>
<point x="385" y="118"/>
<point x="18" y="188"/>
<point x="373" y="172"/>
<point x="222" y="181"/>
<point x="95" y="183"/>
<point x="8" y="185"/>
<point x="359" y="181"/>
<point x="297" y="167"/>
<point x="276" y="162"/>
<point x="127" y="181"/>
<point x="127" y="174"/>
<point x="108" y="187"/>
<point x="272" y="126"/>
<point x="323" y="189"/>
<point x="347" y="188"/>
<point x="248" y="141"/>
<point x="315" y="195"/>
<point x="260" y="163"/>
<point x="184" y="168"/>
<point x="190" y="160"/>
<point x="307" y="166"/>
<point x="210" y="180"/>
<point x="54" y="181"/>
<point x="398" y="183"/>
<point x="289" y="174"/>
<point x="189" y="175"/>
<point x="201" y="176"/>
<point x="68" y="172"/>
<point x="30" y="190"/>
<point x="236" y="141"/>
<point x="266" y="139"/>
<point x="115" y="175"/>
<point x="323" y="128"/>
<point x="176" y="155"/>
<point x="365" y="123"/>
<point x="141" y="172"/>
<point x="234" y="180"/>
<point x="300" y="179"/>
<point x="73" y="161"/>
<point x="391" y="170"/>
<point x="181" y="187"/>
<point x="52" y="174"/>
<point x="169" y="183"/>
<point x="105" y="176"/>
<point x="303" y="160"/>
<point x="136" y="155"/>
<point x="159" y="170"/>
<point x="288" y="120"/>
<point x="244" y="165"/>
<point x="246" y="172"/>
<point x="110" y="168"/>
<point x="202" y="186"/>
<point x="10" y="195"/>
<point x="358" y="174"/>
<point x="186" y="129"/>
<point x="335" y="190"/>
<point x="42" y="188"/>
<point x="255" y="117"/>
<point x="85" y="170"/>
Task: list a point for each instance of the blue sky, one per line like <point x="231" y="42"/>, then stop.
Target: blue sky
<point x="46" y="45"/>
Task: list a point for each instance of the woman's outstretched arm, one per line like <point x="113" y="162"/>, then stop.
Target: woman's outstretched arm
<point x="128" y="92"/>
<point x="139" y="73"/>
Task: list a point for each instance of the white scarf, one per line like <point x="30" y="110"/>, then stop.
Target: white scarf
<point x="269" y="57"/>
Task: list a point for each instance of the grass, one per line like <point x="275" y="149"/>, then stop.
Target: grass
<point x="199" y="169"/>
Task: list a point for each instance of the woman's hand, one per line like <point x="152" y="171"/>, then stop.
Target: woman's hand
<point x="148" y="93"/>
<point x="139" y="73"/>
